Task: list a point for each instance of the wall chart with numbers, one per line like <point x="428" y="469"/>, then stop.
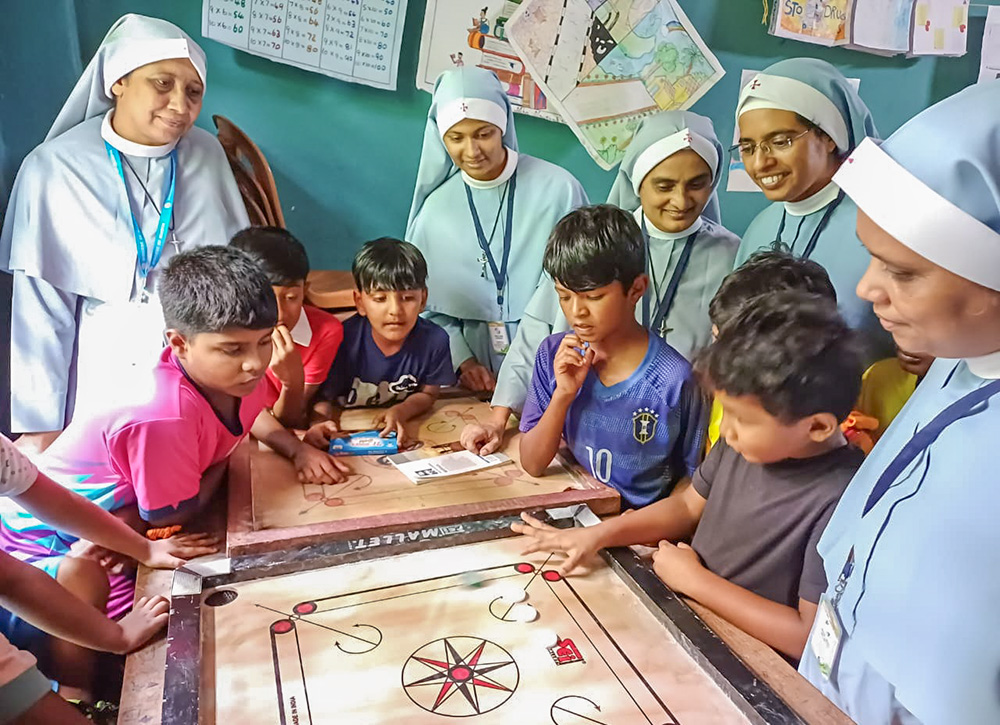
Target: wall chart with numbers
<point x="354" y="40"/>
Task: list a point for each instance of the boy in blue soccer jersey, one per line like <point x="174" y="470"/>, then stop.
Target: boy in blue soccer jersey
<point x="622" y="398"/>
<point x="786" y="369"/>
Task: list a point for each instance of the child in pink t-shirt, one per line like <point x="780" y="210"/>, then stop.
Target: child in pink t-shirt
<point x="306" y="339"/>
<point x="157" y="455"/>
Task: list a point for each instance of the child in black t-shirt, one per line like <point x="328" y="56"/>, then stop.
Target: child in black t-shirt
<point x="786" y="370"/>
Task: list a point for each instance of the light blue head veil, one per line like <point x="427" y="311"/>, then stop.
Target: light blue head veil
<point x="818" y="92"/>
<point x="436" y="167"/>
<point x="934" y="184"/>
<point x="653" y="130"/>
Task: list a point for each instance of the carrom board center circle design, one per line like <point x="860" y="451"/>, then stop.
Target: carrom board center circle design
<point x="460" y="676"/>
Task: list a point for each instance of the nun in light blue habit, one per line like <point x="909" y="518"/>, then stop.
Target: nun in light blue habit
<point x="483" y="238"/>
<point x="912" y="552"/>
<point x="686" y="264"/>
<point x="809" y="214"/>
<point x="94" y="215"/>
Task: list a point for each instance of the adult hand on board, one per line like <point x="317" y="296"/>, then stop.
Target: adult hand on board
<point x="677" y="565"/>
<point x="320" y="434"/>
<point x="481" y="439"/>
<point x="286" y="362"/>
<point x="175" y="551"/>
<point x="577" y="544"/>
<point x="571" y="364"/>
<point x="389" y="420"/>
<point x="315" y="466"/>
<point x="475" y="376"/>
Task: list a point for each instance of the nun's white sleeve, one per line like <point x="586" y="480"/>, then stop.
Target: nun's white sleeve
<point x="460" y="350"/>
<point x="43" y="332"/>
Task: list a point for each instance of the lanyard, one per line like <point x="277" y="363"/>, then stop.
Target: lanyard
<point x="663" y="304"/>
<point x="499" y="275"/>
<point x="147" y="262"/>
<point x="807" y="252"/>
<point x="968" y="405"/>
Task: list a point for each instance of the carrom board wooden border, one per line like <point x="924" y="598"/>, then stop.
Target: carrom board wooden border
<point x="243" y="539"/>
<point x="182" y="676"/>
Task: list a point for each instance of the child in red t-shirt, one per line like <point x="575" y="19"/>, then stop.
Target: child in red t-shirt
<point x="306" y="339"/>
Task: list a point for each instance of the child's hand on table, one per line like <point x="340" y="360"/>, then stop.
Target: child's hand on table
<point x="577" y="544"/>
<point x="148" y="616"/>
<point x="572" y="362"/>
<point x="316" y="466"/>
<point x="481" y="438"/>
<point x="677" y="565"/>
<point x="389" y="420"/>
<point x="320" y="434"/>
<point x="174" y="551"/>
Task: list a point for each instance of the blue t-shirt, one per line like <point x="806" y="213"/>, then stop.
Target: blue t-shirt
<point x="641" y="435"/>
<point x="362" y="375"/>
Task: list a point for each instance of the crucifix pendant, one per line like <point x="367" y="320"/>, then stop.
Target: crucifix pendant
<point x="176" y="243"/>
<point x="664" y="330"/>
<point x="483" y="260"/>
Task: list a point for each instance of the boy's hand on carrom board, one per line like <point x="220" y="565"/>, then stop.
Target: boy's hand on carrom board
<point x="320" y="434"/>
<point x="481" y="438"/>
<point x="174" y="551"/>
<point x="388" y="421"/>
<point x="578" y="544"/>
<point x="316" y="466"/>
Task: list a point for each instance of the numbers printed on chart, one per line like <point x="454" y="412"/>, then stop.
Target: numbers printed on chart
<point x="600" y="464"/>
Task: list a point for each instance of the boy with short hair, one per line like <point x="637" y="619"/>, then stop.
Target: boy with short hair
<point x="764" y="273"/>
<point x="786" y="370"/>
<point x="622" y="398"/>
<point x="391" y="356"/>
<point x="158" y="457"/>
<point x="306" y="338"/>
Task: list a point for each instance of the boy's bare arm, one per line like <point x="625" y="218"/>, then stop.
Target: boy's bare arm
<point x="395" y="417"/>
<point x="540" y="444"/>
<point x="784" y="628"/>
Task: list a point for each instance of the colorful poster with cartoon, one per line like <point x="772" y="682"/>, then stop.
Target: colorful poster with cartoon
<point x="605" y="64"/>
<point x="824" y="22"/>
<point x="473" y="32"/>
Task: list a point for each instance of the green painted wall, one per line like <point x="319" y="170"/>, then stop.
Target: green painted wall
<point x="345" y="156"/>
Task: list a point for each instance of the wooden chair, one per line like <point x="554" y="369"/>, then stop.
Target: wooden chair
<point x="253" y="174"/>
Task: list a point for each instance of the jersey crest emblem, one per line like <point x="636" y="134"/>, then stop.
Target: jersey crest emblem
<point x="644" y="424"/>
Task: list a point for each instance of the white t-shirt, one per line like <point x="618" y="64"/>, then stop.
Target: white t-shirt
<point x="17" y="473"/>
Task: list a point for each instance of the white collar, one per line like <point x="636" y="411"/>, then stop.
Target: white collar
<point x="302" y="333"/>
<point x="656" y="233"/>
<point x="814" y="203"/>
<point x="985" y="366"/>
<point x="131" y="148"/>
<point x="508" y="171"/>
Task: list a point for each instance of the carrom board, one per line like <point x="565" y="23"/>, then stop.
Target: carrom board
<point x="406" y="638"/>
<point x="270" y="509"/>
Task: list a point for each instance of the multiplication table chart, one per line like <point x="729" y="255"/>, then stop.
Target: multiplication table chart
<point x="353" y="40"/>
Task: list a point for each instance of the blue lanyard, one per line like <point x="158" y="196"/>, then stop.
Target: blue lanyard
<point x="147" y="263"/>
<point x="667" y="301"/>
<point x="968" y="405"/>
<point x="499" y="275"/>
<point x="807" y="252"/>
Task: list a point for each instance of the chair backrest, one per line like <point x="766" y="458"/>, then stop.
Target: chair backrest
<point x="253" y="174"/>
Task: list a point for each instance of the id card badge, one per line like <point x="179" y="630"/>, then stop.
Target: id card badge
<point x="499" y="338"/>
<point x="826" y="637"/>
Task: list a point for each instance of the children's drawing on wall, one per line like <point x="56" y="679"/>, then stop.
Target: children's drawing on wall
<point x="824" y="22"/>
<point x="470" y="32"/>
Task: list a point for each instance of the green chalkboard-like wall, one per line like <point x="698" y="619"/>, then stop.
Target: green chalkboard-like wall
<point x="345" y="156"/>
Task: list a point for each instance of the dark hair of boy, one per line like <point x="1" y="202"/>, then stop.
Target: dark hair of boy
<point x="279" y="254"/>
<point x="792" y="351"/>
<point x="211" y="289"/>
<point x="763" y="273"/>
<point x="389" y="265"/>
<point x="594" y="246"/>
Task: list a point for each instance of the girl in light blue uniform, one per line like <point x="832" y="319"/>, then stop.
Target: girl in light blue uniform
<point x="667" y="180"/>
<point x="912" y="552"/>
<point x="798" y="120"/>
<point x="481" y="215"/>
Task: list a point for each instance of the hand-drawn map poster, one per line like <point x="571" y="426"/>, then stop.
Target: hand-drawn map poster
<point x="473" y="32"/>
<point x="605" y="64"/>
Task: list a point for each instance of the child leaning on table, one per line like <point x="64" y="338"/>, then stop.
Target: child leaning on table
<point x="786" y="370"/>
<point x="391" y="356"/>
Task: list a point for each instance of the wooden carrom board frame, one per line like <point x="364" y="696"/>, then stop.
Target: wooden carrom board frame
<point x="183" y="676"/>
<point x="246" y="536"/>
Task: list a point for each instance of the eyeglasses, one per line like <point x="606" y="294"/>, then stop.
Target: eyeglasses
<point x="779" y="144"/>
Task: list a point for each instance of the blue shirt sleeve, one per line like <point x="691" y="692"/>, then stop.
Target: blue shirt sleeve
<point x="440" y="370"/>
<point x="694" y="421"/>
<point x="541" y="388"/>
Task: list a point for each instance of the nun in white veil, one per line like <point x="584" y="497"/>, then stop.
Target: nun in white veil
<point x="122" y="182"/>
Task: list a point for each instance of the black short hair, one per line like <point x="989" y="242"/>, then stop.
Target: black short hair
<point x="594" y="246"/>
<point x="389" y="265"/>
<point x="765" y="272"/>
<point x="211" y="289"/>
<point x="792" y="351"/>
<point x="279" y="254"/>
